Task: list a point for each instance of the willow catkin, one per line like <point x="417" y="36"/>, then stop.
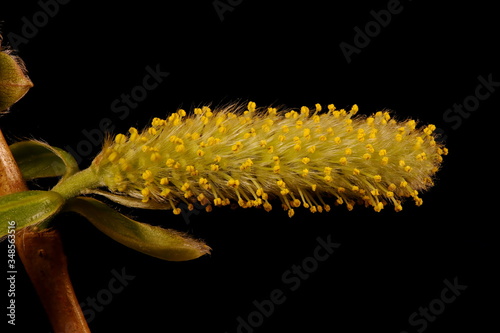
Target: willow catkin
<point x="249" y="156"/>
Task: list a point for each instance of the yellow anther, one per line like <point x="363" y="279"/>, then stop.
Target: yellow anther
<point x="165" y="192"/>
<point x="281" y="183"/>
<point x="341" y="190"/>
<point x="180" y="148"/>
<point x="313" y="187"/>
<point x="304" y="111"/>
<point x="152" y="131"/>
<point x="233" y="183"/>
<point x="337" y="140"/>
<point x="402" y="163"/>
<point x="145" y="192"/>
<point x="185" y="187"/>
<point x="176" y="211"/>
<point x="370" y="148"/>
<point x="356" y="172"/>
<point x="343" y="161"/>
<point x="164" y="181"/>
<point x="124" y="166"/>
<point x="429" y="129"/>
<point x="155" y="156"/>
<point x="251" y="106"/>
<point x="328" y="179"/>
<point x="276" y="169"/>
<point x="297" y="147"/>
<point x="318" y="107"/>
<point x="408" y="168"/>
<point x="307" y="133"/>
<point x="327" y="170"/>
<point x="398" y="137"/>
<point x="377" y="178"/>
<point x="382" y="152"/>
<point x="367" y="156"/>
<point x="378" y="207"/>
<point x="112" y="157"/>
<point x="354" y="109"/>
<point x="375" y="192"/>
<point x="214" y="167"/>
<point x="291" y="212"/>
<point x="147" y="175"/>
<point x="391" y="187"/>
<point x="120" y="138"/>
<point x="384" y="160"/>
<point x="200" y="153"/>
<point x="237" y="146"/>
<point x="403" y="184"/>
<point x="305" y="172"/>
<point x="311" y="149"/>
<point x="355" y="188"/>
<point x="421" y="157"/>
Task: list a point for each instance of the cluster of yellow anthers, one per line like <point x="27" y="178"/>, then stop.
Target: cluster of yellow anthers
<point x="249" y="156"/>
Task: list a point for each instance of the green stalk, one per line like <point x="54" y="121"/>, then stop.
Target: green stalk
<point x="78" y="184"/>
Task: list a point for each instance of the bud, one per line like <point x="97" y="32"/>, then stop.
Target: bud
<point x="250" y="156"/>
<point x="14" y="82"/>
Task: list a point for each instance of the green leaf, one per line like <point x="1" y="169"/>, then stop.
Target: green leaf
<point x="27" y="208"/>
<point x="39" y="160"/>
<point x="166" y="244"/>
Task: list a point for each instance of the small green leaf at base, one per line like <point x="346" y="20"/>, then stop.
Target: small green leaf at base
<point x="166" y="244"/>
<point x="27" y="208"/>
<point x="39" y="160"/>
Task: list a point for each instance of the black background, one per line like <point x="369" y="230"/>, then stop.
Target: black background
<point x="275" y="52"/>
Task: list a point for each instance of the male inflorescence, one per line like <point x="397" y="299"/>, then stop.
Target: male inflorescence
<point x="253" y="157"/>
